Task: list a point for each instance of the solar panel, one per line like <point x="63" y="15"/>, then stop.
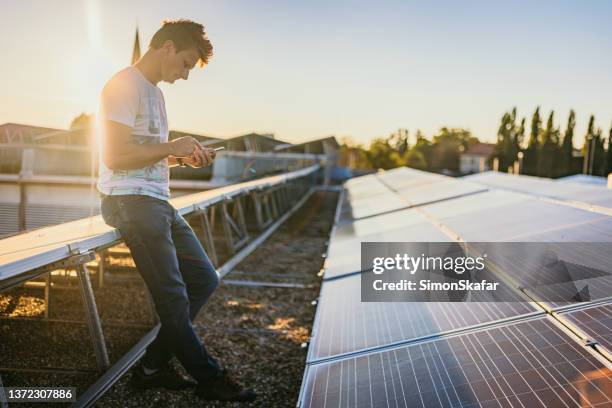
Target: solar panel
<point x="370" y="206"/>
<point x="518" y="222"/>
<point x="377" y="224"/>
<point x="357" y="181"/>
<point x="526" y="364"/>
<point x="440" y="190"/>
<point x="554" y="271"/>
<point x="473" y="204"/>
<point x="543" y="187"/>
<point x="470" y="354"/>
<point x="595" y="229"/>
<point x="595" y="322"/>
<point x="344" y="256"/>
<point x="371" y="186"/>
<point x="409" y="178"/>
<point x="344" y="324"/>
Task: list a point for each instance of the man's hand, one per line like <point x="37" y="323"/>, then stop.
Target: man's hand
<point x="201" y="157"/>
<point x="184" y="146"/>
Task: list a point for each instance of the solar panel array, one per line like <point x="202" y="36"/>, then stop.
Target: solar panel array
<point x="580" y="193"/>
<point x="440" y="354"/>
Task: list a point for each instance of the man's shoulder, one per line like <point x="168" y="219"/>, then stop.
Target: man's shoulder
<point x="124" y="78"/>
<point x="125" y="73"/>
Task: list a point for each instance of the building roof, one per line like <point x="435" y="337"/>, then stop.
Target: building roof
<point x="20" y="133"/>
<point x="480" y="149"/>
<point x="316" y="146"/>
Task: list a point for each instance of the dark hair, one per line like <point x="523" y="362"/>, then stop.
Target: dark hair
<point x="184" y="34"/>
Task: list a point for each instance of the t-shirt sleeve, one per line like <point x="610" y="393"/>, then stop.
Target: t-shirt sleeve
<point x="119" y="102"/>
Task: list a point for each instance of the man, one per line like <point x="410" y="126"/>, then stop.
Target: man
<point x="133" y="182"/>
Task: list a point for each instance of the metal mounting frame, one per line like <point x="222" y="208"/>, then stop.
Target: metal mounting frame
<point x="284" y="194"/>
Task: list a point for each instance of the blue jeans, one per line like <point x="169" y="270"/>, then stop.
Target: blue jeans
<point x="177" y="272"/>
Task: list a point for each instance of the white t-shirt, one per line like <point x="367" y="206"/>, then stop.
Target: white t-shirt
<point x="130" y="99"/>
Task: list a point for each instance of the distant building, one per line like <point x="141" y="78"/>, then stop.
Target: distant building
<point x="327" y="145"/>
<point x="475" y="159"/>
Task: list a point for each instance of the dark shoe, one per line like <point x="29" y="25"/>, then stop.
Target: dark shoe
<point x="223" y="388"/>
<point x="166" y="377"/>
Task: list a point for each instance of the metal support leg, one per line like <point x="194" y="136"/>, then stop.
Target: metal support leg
<point x="233" y="227"/>
<point x="258" y="212"/>
<point x="101" y="268"/>
<point x="241" y="218"/>
<point x="267" y="210"/>
<point x="93" y="318"/>
<point x="275" y="212"/>
<point x="47" y="295"/>
<point x="227" y="231"/>
<point x="208" y="236"/>
<point x="282" y="191"/>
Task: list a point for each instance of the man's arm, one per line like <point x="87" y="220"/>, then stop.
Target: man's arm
<point x="172" y="161"/>
<point x="119" y="154"/>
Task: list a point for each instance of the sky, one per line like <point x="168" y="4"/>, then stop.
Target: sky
<point x="305" y="70"/>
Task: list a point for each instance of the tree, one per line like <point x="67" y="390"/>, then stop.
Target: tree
<point x="593" y="150"/>
<point x="519" y="136"/>
<point x="399" y="141"/>
<point x="419" y="155"/>
<point x="531" y="153"/>
<point x="599" y="155"/>
<point x="587" y="147"/>
<point x="609" y="153"/>
<point x="536" y="128"/>
<point x="382" y="155"/>
<point x="502" y="137"/>
<point x="447" y="147"/>
<point x="84" y="120"/>
<point x="416" y="159"/>
<point x="352" y="154"/>
<point x="567" y="147"/>
<point x="508" y="144"/>
<point x="548" y="149"/>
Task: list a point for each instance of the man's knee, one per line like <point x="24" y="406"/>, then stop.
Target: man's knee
<point x="205" y="286"/>
<point x="173" y="306"/>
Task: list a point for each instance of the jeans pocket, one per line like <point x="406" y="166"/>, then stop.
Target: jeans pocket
<point x="143" y="215"/>
<point x="109" y="211"/>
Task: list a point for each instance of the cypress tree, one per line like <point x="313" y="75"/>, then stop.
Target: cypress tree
<point x="510" y="150"/>
<point x="587" y="147"/>
<point x="501" y="147"/>
<point x="531" y="153"/>
<point x="599" y="155"/>
<point x="519" y="136"/>
<point x="609" y="155"/>
<point x="568" y="145"/>
<point x="548" y="148"/>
